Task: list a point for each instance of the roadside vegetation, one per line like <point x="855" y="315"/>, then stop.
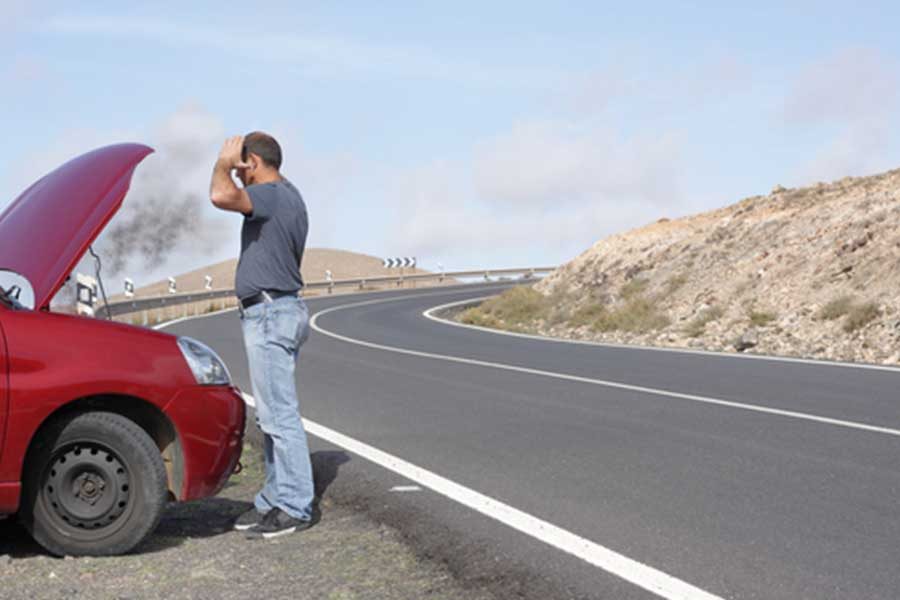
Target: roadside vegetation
<point x="856" y="315"/>
<point x="525" y="309"/>
<point x="860" y="315"/>
<point x="698" y="325"/>
<point x="759" y="318"/>
<point x="515" y="309"/>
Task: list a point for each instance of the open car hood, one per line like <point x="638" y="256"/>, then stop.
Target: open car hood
<point x="48" y="228"/>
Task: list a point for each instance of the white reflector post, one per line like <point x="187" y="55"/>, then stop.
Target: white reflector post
<point x="84" y="294"/>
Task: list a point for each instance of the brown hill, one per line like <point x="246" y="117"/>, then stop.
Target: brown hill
<point x="341" y="263"/>
<point x="805" y="272"/>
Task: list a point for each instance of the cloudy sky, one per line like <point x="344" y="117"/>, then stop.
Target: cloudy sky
<point x="471" y="134"/>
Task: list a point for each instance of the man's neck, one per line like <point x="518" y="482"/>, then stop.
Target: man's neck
<point x="269" y="177"/>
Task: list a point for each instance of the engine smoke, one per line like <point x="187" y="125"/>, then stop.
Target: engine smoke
<point x="167" y="215"/>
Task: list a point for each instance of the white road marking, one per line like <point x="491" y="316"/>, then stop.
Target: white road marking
<point x="429" y="314"/>
<point x="601" y="382"/>
<point x="189" y="317"/>
<point x="406" y="488"/>
<point x="641" y="575"/>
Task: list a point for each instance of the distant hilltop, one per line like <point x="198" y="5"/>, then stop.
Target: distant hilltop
<point x="342" y="264"/>
<point x="812" y="272"/>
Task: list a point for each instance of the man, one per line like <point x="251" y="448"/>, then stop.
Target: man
<point x="275" y="322"/>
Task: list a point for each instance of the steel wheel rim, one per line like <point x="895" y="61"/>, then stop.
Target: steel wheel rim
<point x="87" y="489"/>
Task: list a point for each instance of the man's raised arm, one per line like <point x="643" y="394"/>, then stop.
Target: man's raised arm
<point x="223" y="192"/>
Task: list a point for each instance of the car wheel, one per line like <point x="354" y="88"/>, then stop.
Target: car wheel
<point x="96" y="486"/>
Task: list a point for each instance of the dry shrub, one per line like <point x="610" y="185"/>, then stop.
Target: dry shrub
<point x="696" y="327"/>
<point x="633" y="288"/>
<point x="836" y="308"/>
<point x="638" y="315"/>
<point x="587" y="314"/>
<point x="761" y="318"/>
<point x="675" y="283"/>
<point x="860" y="315"/>
<point x="513" y="309"/>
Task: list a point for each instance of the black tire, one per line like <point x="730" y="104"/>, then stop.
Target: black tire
<point x="96" y="485"/>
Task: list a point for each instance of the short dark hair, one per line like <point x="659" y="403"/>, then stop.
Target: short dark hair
<point x="264" y="146"/>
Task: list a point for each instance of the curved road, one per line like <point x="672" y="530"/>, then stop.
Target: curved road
<point x="730" y="476"/>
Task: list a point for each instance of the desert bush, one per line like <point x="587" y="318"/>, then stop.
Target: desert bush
<point x="513" y="308"/>
<point x="860" y="315"/>
<point x="475" y="316"/>
<point x="696" y="327"/>
<point x="587" y="314"/>
<point x="633" y="288"/>
<point x="675" y="283"/>
<point x="559" y="307"/>
<point x="638" y="315"/>
<point x="836" y="308"/>
<point x="761" y="318"/>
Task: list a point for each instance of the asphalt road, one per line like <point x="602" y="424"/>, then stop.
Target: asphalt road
<point x="744" y="478"/>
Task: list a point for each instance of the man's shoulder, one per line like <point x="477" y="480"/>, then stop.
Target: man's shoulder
<point x="274" y="189"/>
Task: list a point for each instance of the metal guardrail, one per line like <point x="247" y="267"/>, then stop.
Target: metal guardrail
<point x="141" y="304"/>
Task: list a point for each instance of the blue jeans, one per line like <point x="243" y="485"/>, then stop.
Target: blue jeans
<point x="273" y="334"/>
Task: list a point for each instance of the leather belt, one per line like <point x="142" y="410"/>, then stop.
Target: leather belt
<point x="263" y="297"/>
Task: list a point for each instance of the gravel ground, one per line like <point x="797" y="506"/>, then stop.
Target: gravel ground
<point x="194" y="554"/>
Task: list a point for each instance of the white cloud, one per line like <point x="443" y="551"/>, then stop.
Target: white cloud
<point x="850" y="98"/>
<point x="320" y="55"/>
<point x="850" y="86"/>
<point x="15" y="13"/>
<point x="26" y="70"/>
<point x="543" y="192"/>
<point x="547" y="164"/>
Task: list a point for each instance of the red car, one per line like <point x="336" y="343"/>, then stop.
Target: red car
<point x="100" y="423"/>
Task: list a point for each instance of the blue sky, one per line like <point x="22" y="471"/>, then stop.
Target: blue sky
<point x="467" y="134"/>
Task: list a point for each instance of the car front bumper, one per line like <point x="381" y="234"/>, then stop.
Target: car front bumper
<point x="210" y="424"/>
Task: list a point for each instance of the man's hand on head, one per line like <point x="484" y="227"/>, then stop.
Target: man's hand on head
<point x="230" y="154"/>
<point x="223" y="192"/>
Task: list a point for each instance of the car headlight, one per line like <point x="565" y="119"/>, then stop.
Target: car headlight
<point x="206" y="365"/>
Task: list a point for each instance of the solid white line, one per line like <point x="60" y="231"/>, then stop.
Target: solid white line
<point x="189" y="317"/>
<point x="601" y="382"/>
<point x="639" y="574"/>
<point x="429" y="314"/>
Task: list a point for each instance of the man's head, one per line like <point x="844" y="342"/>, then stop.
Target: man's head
<point x="263" y="154"/>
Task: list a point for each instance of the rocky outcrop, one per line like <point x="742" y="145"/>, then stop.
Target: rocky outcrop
<point x="812" y="272"/>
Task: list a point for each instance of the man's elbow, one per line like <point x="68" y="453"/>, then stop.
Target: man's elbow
<point x="219" y="199"/>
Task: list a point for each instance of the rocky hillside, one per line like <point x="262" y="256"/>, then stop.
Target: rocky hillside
<point x="812" y="272"/>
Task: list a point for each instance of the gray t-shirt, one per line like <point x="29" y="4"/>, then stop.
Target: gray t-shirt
<point x="273" y="238"/>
